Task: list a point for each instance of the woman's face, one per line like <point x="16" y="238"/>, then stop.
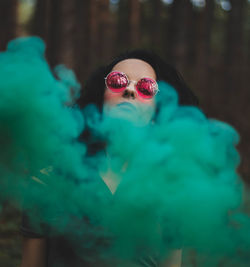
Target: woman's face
<point x="128" y="103"/>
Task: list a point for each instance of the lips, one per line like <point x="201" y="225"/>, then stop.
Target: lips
<point x="126" y="105"/>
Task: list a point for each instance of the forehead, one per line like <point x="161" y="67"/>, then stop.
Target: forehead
<point x="135" y="69"/>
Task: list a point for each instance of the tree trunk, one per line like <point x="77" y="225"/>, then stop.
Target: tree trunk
<point x="236" y="92"/>
<point x="8" y="25"/>
<point x="204" y="23"/>
<point x="54" y="42"/>
<point x="106" y="31"/>
<point x="234" y="54"/>
<point x="128" y="24"/>
<point x="85" y="47"/>
<point x="156" y="24"/>
<point x="61" y="32"/>
<point x="40" y="21"/>
<point x="180" y="30"/>
<point x="134" y="22"/>
<point x="122" y="36"/>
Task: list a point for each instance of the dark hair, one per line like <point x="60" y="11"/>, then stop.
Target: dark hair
<point x="93" y="91"/>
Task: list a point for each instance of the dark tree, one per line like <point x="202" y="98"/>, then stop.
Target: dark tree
<point x="236" y="93"/>
<point x="122" y="37"/>
<point x="234" y="53"/>
<point x="40" y="22"/>
<point x="53" y="21"/>
<point x="61" y="32"/>
<point x="106" y="31"/>
<point x="156" y="24"/>
<point x="128" y="31"/>
<point x="134" y="22"/>
<point x="151" y="29"/>
<point x="205" y="21"/>
<point x="8" y="25"/>
<point x="180" y="33"/>
<point x="86" y="37"/>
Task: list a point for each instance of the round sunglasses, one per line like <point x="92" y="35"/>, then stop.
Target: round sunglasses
<point x="118" y="81"/>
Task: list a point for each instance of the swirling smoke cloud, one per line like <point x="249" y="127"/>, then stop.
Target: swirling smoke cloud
<point x="179" y="187"/>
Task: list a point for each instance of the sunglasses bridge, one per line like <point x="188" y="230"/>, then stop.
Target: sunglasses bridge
<point x="131" y="81"/>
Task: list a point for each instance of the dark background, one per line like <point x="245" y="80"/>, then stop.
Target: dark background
<point x="207" y="41"/>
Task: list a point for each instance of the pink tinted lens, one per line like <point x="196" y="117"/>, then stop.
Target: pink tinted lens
<point x="146" y="88"/>
<point x="116" y="81"/>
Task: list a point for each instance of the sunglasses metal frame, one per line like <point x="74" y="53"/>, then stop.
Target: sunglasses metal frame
<point x="135" y="83"/>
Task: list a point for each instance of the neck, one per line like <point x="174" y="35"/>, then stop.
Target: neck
<point x="112" y="178"/>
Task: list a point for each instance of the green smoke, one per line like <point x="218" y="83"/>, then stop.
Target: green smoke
<point x="178" y="182"/>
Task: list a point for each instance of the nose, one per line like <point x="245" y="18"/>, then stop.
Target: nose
<point x="130" y="92"/>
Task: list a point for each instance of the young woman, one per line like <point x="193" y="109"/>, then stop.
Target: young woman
<point x="126" y="86"/>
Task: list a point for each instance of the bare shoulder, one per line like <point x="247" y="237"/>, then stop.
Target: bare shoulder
<point x="34" y="252"/>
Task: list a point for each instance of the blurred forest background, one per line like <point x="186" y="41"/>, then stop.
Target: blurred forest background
<point x="207" y="41"/>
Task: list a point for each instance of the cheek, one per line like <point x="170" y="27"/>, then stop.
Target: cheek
<point x="146" y="104"/>
<point x="147" y="110"/>
<point x="111" y="98"/>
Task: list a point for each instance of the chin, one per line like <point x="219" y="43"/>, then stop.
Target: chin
<point x="127" y="114"/>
